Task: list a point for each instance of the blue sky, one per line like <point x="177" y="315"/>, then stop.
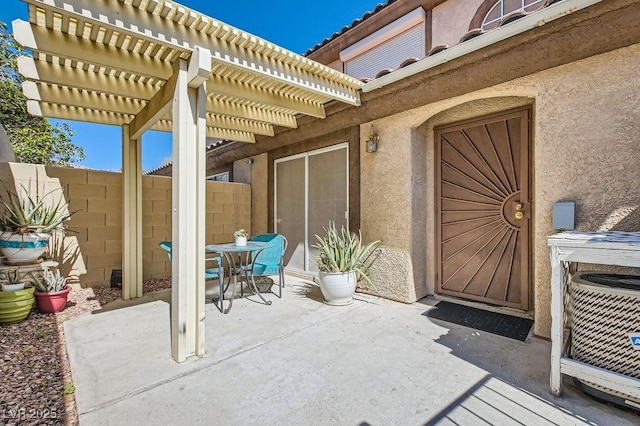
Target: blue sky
<point x="293" y="24"/>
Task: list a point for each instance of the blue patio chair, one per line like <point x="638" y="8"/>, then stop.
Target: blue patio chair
<point x="209" y="274"/>
<point x="270" y="261"/>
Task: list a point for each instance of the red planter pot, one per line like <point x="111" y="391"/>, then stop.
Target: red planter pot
<point x="49" y="303"/>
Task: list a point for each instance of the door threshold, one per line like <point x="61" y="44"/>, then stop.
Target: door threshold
<point x="492" y="308"/>
<point x="302" y="275"/>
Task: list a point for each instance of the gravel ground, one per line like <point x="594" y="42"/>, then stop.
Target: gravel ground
<point x="36" y="387"/>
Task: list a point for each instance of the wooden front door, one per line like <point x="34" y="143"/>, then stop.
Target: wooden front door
<point x="482" y="179"/>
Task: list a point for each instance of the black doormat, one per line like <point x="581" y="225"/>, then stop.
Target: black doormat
<point x="492" y="322"/>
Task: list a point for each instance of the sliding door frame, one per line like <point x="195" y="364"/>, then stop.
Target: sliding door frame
<point x="306" y="155"/>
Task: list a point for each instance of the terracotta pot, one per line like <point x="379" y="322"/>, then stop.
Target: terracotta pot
<point x="49" y="303"/>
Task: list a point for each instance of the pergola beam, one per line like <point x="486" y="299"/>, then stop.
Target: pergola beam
<point x="232" y="89"/>
<point x="239" y="124"/>
<point x="71" y="112"/>
<point x="212" y="132"/>
<point x="222" y="107"/>
<point x="153" y="111"/>
<point x="80" y="98"/>
<point x="55" y="74"/>
<point x="67" y="112"/>
<point x="56" y="43"/>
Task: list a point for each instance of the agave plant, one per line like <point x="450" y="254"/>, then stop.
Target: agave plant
<point x="23" y="213"/>
<point x="343" y="251"/>
<point x="51" y="282"/>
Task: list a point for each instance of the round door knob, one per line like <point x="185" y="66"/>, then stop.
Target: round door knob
<point x="519" y="206"/>
<point x="519" y="215"/>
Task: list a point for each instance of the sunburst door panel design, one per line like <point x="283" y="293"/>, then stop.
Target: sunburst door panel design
<point x="483" y="216"/>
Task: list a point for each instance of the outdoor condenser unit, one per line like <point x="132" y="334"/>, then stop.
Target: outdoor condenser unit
<point x="605" y="324"/>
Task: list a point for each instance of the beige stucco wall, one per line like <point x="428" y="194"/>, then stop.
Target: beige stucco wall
<point x="94" y="248"/>
<point x="586" y="148"/>
<point x="451" y="19"/>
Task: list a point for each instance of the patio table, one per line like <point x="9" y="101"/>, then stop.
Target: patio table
<point x="238" y="258"/>
<point x="567" y="249"/>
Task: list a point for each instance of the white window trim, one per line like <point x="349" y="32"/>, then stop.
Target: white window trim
<point x="398" y="26"/>
<point x="500" y="3"/>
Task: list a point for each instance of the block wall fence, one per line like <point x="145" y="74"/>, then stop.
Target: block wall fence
<point x="93" y="248"/>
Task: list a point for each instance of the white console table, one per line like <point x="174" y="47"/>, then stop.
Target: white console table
<point x="567" y="248"/>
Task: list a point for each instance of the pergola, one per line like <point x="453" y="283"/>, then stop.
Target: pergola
<point x="154" y="64"/>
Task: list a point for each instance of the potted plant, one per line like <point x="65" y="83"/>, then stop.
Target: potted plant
<point x="52" y="292"/>
<point x="13" y="280"/>
<point x="27" y="221"/>
<point x="342" y="259"/>
<point x="241" y="237"/>
<point x="15" y="302"/>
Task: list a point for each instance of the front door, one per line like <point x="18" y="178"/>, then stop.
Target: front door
<point x="482" y="180"/>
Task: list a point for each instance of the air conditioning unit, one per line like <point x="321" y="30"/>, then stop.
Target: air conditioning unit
<point x="605" y="324"/>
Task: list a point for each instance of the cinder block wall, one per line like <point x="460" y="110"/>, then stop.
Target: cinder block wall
<point x="94" y="248"/>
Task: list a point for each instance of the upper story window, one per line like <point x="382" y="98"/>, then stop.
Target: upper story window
<point x="219" y="177"/>
<point x="503" y="8"/>
<point x="387" y="48"/>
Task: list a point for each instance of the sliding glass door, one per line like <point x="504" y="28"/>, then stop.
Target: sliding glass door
<point x="311" y="189"/>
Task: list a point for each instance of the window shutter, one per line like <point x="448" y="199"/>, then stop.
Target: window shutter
<point x="389" y="54"/>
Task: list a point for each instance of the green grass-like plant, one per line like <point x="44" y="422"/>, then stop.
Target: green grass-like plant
<point x="343" y="251"/>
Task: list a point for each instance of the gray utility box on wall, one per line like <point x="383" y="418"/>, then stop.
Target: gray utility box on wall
<point x="564" y="215"/>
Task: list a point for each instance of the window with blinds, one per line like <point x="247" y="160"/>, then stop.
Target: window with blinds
<point x="389" y="54"/>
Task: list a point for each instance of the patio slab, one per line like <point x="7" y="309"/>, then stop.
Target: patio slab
<point x="299" y="361"/>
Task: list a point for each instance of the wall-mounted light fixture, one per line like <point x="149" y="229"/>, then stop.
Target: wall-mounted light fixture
<point x="372" y="142"/>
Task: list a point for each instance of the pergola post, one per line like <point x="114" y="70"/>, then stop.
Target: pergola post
<point x="188" y="200"/>
<point x="132" y="215"/>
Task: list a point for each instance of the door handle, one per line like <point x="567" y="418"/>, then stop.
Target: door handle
<point x="519" y="214"/>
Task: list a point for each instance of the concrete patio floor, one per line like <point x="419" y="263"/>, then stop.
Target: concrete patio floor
<point x="300" y="362"/>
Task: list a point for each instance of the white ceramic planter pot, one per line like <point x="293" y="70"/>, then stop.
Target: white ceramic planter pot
<point x="241" y="241"/>
<point x="12" y="287"/>
<point x="338" y="287"/>
<point x="23" y="248"/>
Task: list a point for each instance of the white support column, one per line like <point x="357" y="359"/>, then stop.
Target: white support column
<point x="557" y="321"/>
<point x="132" y="216"/>
<point x="188" y="225"/>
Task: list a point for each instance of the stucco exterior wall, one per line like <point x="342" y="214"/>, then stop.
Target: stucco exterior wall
<point x="450" y="20"/>
<point x="585" y="147"/>
<point x="393" y="200"/>
<point x="94" y="248"/>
